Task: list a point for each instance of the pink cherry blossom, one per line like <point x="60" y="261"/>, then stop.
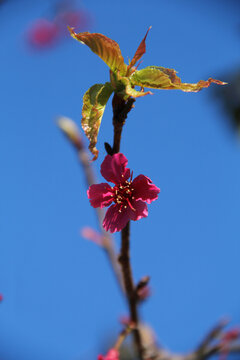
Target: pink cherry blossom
<point x="111" y="355"/>
<point x="43" y="33"/>
<point x="128" y="198"/>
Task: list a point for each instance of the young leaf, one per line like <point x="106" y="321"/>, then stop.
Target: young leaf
<point x="94" y="102"/>
<point x="162" y="78"/>
<point x="140" y="51"/>
<point x="107" y="49"/>
<point x="122" y="86"/>
<point x="125" y="89"/>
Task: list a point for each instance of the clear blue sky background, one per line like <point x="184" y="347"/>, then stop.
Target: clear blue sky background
<point x="60" y="297"/>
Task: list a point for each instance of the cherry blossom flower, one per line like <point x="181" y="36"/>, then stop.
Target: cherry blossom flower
<point x="1" y="297"/>
<point x="43" y="33"/>
<point x="111" y="355"/>
<point x="127" y="197"/>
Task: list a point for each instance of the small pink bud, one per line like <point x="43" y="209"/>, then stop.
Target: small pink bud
<point x="90" y="234"/>
<point x="1" y="297"/>
<point x="70" y="129"/>
<point x="231" y="335"/>
<point x="124" y="320"/>
<point x="111" y="355"/>
<point x="144" y="292"/>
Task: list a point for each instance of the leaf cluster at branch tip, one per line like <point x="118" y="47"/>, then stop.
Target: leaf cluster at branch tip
<point x="123" y="79"/>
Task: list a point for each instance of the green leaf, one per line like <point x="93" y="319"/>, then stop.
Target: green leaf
<point x="94" y="103"/>
<point x="155" y="77"/>
<point x="107" y="49"/>
<point x="125" y="89"/>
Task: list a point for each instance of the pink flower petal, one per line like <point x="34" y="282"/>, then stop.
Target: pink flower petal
<point x="114" y="169"/>
<point x="115" y="220"/>
<point x="100" y="195"/>
<point x="144" y="189"/>
<point x="141" y="210"/>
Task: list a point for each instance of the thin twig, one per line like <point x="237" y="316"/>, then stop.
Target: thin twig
<point x="211" y="345"/>
<point x="72" y="133"/>
<point x="214" y="333"/>
<point x="123" y="334"/>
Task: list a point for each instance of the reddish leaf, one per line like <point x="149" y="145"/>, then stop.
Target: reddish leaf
<point x="140" y="51"/>
<point x="107" y="49"/>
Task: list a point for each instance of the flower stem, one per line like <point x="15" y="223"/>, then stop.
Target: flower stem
<point x="121" y="109"/>
<point x="124" y="260"/>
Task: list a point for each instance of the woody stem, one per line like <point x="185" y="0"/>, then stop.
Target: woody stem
<point x="130" y="288"/>
<point x="121" y="109"/>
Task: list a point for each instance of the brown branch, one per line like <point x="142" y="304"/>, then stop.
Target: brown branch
<point x="124" y="260"/>
<point x="121" y="109"/>
<point x="72" y="133"/>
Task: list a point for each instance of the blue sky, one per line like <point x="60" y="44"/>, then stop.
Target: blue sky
<point x="60" y="297"/>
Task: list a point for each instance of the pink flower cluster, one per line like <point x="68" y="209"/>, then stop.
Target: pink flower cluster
<point x="111" y="355"/>
<point x="128" y="198"/>
<point x="44" y="33"/>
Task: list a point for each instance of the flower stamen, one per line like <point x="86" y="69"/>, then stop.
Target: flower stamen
<point x="130" y="205"/>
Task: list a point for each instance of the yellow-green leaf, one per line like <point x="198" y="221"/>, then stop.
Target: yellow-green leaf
<point x="107" y="49"/>
<point x="122" y="86"/>
<point x="94" y="103"/>
<point x="162" y="78"/>
<point x="125" y="89"/>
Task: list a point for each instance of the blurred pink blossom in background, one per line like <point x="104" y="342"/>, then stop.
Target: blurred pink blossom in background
<point x="45" y="32"/>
